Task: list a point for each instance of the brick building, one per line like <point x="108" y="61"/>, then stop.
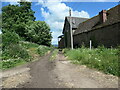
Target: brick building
<point x="102" y="29"/>
<point x="65" y="40"/>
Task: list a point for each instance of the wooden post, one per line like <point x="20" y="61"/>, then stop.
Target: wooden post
<point x="71" y="32"/>
<point x="90" y="44"/>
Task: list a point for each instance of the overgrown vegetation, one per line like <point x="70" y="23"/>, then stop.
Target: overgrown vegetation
<point x="9" y="63"/>
<point x="22" y="53"/>
<point x="101" y="58"/>
<point x="22" y="37"/>
<point x="12" y="52"/>
<point x="20" y="19"/>
<point x="14" y="56"/>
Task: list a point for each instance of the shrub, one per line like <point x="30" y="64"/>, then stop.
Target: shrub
<point x="9" y="38"/>
<point x="15" y="51"/>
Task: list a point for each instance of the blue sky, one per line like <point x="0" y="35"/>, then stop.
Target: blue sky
<point x="93" y="8"/>
<point x="54" y="12"/>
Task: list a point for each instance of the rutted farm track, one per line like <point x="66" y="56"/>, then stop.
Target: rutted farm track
<point x="59" y="73"/>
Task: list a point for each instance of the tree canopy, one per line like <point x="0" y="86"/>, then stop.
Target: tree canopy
<point x="15" y="17"/>
<point x="0" y="21"/>
<point x="20" y="19"/>
<point x="38" y="32"/>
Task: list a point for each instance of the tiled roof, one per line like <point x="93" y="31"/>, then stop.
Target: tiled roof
<point x="75" y="21"/>
<point x="113" y="16"/>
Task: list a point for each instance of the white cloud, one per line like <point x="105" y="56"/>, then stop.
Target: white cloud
<point x="42" y="1"/>
<point x="13" y="2"/>
<point x="55" y="34"/>
<point x="91" y="0"/>
<point x="105" y="0"/>
<point x="108" y="8"/>
<point x="55" y="15"/>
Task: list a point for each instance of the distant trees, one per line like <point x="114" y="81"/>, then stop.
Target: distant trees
<point x="20" y="19"/>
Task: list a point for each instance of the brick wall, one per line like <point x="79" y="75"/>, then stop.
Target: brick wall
<point x="107" y="36"/>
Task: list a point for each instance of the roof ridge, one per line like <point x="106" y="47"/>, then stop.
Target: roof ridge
<point x="76" y="17"/>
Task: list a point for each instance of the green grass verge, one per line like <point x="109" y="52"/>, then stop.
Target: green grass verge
<point x="22" y="53"/>
<point x="54" y="54"/>
<point x="101" y="58"/>
<point x="10" y="63"/>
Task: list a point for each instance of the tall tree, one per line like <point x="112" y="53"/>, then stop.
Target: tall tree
<point x="0" y="21"/>
<point x="20" y="19"/>
<point x="39" y="32"/>
<point x="15" y="17"/>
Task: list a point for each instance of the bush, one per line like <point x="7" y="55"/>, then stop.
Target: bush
<point x="9" y="38"/>
<point x="15" y="51"/>
<point x="14" y="55"/>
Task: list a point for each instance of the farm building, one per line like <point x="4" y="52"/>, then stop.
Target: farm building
<point x="102" y="29"/>
<point x="65" y="39"/>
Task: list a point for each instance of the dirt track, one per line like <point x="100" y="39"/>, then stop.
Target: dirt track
<point x="79" y="76"/>
<point x="42" y="75"/>
<point x="60" y="74"/>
